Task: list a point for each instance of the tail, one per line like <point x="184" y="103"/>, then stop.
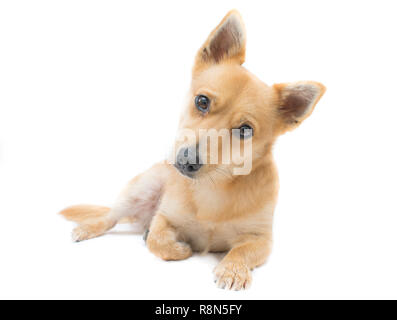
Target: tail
<point x="83" y="214"/>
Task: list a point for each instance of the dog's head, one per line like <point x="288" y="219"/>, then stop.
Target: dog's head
<point x="232" y="118"/>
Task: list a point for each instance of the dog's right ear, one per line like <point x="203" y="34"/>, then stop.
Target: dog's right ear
<point x="225" y="43"/>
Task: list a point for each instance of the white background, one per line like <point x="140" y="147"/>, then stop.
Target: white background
<point x="90" y="95"/>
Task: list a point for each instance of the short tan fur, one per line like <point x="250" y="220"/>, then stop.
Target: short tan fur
<point x="215" y="210"/>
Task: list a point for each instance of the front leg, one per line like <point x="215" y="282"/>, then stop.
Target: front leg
<point x="234" y="271"/>
<point x="162" y="240"/>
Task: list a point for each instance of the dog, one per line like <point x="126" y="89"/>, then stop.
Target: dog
<point x="191" y="205"/>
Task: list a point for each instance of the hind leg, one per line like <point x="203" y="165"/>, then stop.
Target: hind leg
<point x="92" y="230"/>
<point x="138" y="201"/>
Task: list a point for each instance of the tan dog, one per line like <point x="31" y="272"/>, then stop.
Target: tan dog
<point x="190" y="206"/>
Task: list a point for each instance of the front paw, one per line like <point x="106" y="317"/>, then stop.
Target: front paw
<point x="168" y="250"/>
<point x="232" y="276"/>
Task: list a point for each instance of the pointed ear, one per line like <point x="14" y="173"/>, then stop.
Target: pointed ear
<point x="226" y="42"/>
<point x="296" y="101"/>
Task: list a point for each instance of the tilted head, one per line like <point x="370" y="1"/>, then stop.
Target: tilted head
<point x="232" y="118"/>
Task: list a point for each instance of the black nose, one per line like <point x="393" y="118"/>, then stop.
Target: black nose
<point x="188" y="161"/>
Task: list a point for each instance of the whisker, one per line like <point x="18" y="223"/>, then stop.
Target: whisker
<point x="224" y="172"/>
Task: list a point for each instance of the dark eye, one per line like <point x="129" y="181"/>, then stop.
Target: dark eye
<point x="202" y="103"/>
<point x="246" y="131"/>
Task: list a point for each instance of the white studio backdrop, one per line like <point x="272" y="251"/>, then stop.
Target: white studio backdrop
<point x="90" y="95"/>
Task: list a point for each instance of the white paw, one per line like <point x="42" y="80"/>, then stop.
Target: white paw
<point x="79" y="234"/>
<point x="232" y="276"/>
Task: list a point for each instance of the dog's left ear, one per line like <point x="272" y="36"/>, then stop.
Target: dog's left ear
<point x="225" y="43"/>
<point x="296" y="101"/>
